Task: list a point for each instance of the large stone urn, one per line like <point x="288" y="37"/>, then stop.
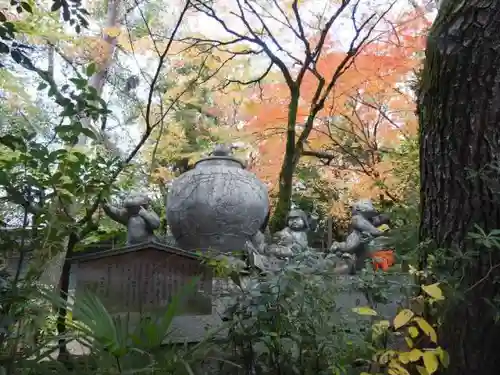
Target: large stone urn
<point x="218" y="205"/>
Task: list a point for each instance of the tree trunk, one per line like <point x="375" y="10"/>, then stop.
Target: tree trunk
<point x="288" y="166"/>
<point x="97" y="81"/>
<point x="459" y="109"/>
<point x="285" y="193"/>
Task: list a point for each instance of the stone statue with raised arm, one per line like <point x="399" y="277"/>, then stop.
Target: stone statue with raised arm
<point x="365" y="227"/>
<point x="141" y="222"/>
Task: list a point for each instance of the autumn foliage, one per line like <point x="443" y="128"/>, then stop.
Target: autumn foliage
<point x="370" y="110"/>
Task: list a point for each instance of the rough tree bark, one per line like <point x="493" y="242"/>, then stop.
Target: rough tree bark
<point x="459" y="109"/>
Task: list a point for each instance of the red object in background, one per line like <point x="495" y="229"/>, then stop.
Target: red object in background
<point x="383" y="259"/>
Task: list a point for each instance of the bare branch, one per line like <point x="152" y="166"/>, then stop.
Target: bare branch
<point x="321" y="96"/>
<point x="255" y="80"/>
<point x="254" y="39"/>
<point x="160" y="64"/>
<point x="146" y="23"/>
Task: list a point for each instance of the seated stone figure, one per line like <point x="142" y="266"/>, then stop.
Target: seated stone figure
<point x="135" y="214"/>
<point x="292" y="239"/>
<point x="358" y="245"/>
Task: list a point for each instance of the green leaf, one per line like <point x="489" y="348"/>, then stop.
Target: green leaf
<point x="57" y="154"/>
<point x="413" y="332"/>
<point x="162" y="325"/>
<point x="68" y="111"/>
<point x="64" y="193"/>
<point x="21" y="59"/>
<point x="80" y="83"/>
<point x="42" y="86"/>
<point x="89" y="133"/>
<point x="4" y="48"/>
<point x="427" y="329"/>
<point x="26" y="7"/>
<point x="56" y="5"/>
<point x="52" y="91"/>
<point x="13" y="142"/>
<point x="91" y="69"/>
<point x="443" y="357"/>
<point x="64" y="129"/>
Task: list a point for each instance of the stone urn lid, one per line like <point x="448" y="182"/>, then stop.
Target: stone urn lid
<point x="220" y="160"/>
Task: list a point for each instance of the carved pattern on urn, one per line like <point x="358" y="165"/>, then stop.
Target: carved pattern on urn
<point x="218" y="205"/>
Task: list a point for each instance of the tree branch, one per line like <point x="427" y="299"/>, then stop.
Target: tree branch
<point x="320" y="97"/>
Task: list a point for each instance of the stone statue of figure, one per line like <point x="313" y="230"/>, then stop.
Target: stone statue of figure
<point x="141" y="222"/>
<point x="365" y="224"/>
<point x="292" y="239"/>
<point x="268" y="254"/>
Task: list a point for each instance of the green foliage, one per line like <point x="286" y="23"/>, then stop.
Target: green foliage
<point x="381" y="287"/>
<point x="72" y="12"/>
<point x="66" y="177"/>
<point x="115" y="344"/>
<point x="405" y="161"/>
<point x="289" y="323"/>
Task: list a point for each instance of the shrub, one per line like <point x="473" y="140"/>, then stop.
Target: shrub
<point x="288" y="323"/>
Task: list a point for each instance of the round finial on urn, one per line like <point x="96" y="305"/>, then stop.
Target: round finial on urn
<point x="222" y="150"/>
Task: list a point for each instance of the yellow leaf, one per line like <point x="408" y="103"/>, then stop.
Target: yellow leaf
<point x="364" y="373"/>
<point x="413" y="332"/>
<point x="433" y="291"/>
<point x="112" y="31"/>
<point x="415" y="355"/>
<point x="409" y="342"/>
<point x="404" y="358"/>
<point x="397" y="369"/>
<point x="386" y="357"/>
<point x="403" y="317"/>
<point x="384" y="227"/>
<point x="443" y="357"/>
<point x="364" y="311"/>
<point x="422" y="371"/>
<point x="380" y="328"/>
<point x="427" y="329"/>
<point x="430" y="362"/>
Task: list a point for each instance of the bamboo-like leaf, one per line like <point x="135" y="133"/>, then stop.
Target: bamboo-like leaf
<point x="158" y="329"/>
